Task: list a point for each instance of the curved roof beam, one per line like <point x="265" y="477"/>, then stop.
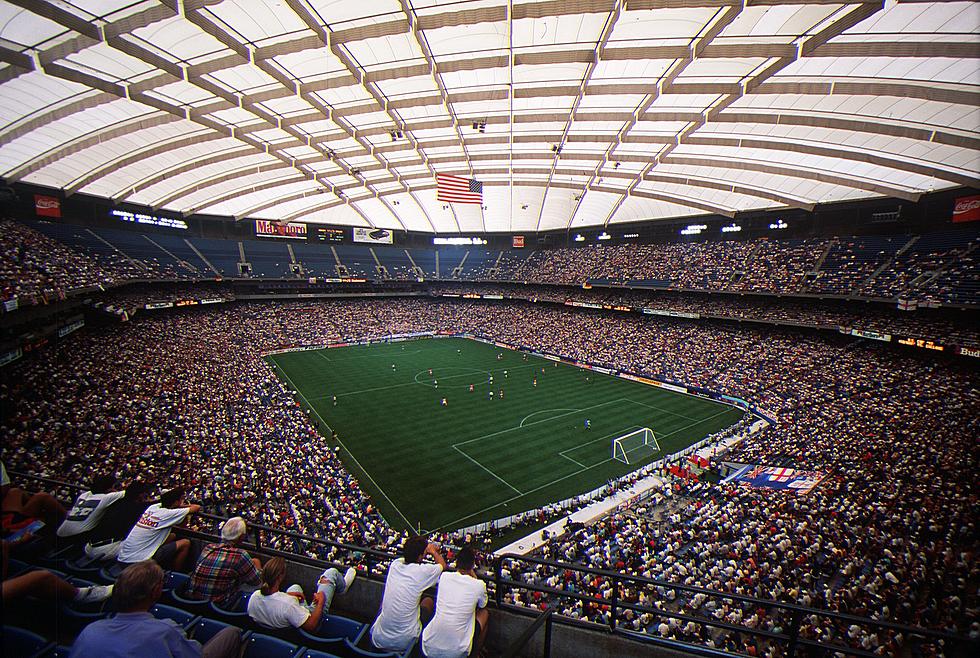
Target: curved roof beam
<point x="796" y="172"/>
<point x="242" y="191"/>
<point x="217" y="179"/>
<point x="678" y="200"/>
<point x="181" y="168"/>
<point x="163" y="146"/>
<point x="92" y="138"/>
<point x="607" y="30"/>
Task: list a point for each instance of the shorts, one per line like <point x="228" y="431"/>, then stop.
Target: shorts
<point x="103" y="550"/>
<point x="165" y="554"/>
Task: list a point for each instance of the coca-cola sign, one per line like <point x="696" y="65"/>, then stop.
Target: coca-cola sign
<point x="967" y="209"/>
<point x="47" y="206"/>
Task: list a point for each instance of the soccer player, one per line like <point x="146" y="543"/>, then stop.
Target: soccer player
<point x="491" y="395"/>
<point x="444" y="402"/>
<point x="501" y="394"/>
<point x="393" y="367"/>
<point x="435" y="383"/>
<point x="430" y="372"/>
<point x="334" y="400"/>
<point x="505" y="374"/>
<point x="471" y="388"/>
<point x="588" y="424"/>
<point x="535" y="382"/>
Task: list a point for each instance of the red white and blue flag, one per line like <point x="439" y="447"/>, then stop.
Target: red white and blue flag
<point x="456" y="189"/>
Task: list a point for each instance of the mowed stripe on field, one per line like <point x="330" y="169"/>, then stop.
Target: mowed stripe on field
<point x="395" y="430"/>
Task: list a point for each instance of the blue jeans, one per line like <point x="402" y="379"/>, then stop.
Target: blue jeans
<point x="331" y="582"/>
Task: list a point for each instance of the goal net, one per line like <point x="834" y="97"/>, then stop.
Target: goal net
<point x="635" y="446"/>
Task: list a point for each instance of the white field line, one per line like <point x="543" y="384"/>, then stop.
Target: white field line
<point x="666" y="411"/>
<point x="363" y="470"/>
<point x="489" y="471"/>
<point x="537" y="422"/>
<point x="411" y="383"/>
<point x="565" y="477"/>
<point x="543" y="411"/>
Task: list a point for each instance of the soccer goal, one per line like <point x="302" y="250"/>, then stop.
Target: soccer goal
<point x="635" y="446"/>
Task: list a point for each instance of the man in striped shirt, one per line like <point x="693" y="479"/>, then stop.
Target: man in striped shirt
<point x="224" y="568"/>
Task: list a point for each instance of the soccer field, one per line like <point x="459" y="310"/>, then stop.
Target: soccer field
<point x="477" y="459"/>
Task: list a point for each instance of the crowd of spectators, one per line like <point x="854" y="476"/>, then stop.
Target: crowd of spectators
<point x="186" y="399"/>
<point x="35" y="268"/>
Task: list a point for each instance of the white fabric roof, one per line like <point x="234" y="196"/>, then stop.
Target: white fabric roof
<point x="284" y="109"/>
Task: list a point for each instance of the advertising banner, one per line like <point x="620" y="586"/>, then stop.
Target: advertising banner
<point x="517" y="242"/>
<point x="967" y="209"/>
<point x="873" y="335"/>
<point x="373" y="235"/>
<point x="266" y="229"/>
<point x="47" y="206"/>
<point x="671" y="314"/>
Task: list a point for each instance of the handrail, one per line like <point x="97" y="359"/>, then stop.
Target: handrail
<point x="790" y="637"/>
<point x="517" y="645"/>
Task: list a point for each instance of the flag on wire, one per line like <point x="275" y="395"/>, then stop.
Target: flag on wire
<point x="455" y="189"/>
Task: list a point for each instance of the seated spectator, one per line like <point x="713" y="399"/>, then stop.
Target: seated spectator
<point x="399" y="624"/>
<point x="135" y="632"/>
<point x="272" y="608"/>
<point x="21" y="509"/>
<point x="462" y="600"/>
<point x="222" y="569"/>
<point x="45" y="585"/>
<point x="151" y="537"/>
<point x="116" y="522"/>
<point x="88" y="510"/>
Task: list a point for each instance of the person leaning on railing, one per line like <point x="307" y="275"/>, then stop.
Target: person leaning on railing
<point x="223" y="569"/>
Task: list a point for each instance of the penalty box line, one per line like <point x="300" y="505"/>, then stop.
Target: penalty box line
<point x="564" y="477"/>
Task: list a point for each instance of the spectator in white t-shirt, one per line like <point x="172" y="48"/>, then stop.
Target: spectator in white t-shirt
<point x="88" y="509"/>
<point x="151" y="537"/>
<point x="272" y="608"/>
<point x="461" y="613"/>
<point x="400" y="624"/>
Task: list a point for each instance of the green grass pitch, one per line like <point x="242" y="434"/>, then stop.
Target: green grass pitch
<point x="476" y="459"/>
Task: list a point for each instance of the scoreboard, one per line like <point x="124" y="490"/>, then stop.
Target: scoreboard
<point x="324" y="234"/>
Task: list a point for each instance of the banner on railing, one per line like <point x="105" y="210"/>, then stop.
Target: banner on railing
<point x="873" y="335"/>
<point x="772" y="477"/>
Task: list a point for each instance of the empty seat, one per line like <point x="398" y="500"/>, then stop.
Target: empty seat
<point x="204" y="628"/>
<point x="23" y="643"/>
<point x="183" y="618"/>
<point x="258" y="645"/>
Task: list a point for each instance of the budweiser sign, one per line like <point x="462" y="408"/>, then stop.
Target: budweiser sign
<point x="47" y="206"/>
<point x="967" y="209"/>
<point x="264" y="229"/>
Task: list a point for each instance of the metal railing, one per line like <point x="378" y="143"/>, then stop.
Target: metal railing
<point x="790" y="634"/>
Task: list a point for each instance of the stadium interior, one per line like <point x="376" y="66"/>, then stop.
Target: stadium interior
<point x="662" y="312"/>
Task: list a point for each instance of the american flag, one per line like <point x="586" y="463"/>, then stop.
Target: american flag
<point x="455" y="189"/>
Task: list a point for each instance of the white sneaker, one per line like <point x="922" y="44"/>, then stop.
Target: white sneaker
<point x="349" y="576"/>
<point x="93" y="594"/>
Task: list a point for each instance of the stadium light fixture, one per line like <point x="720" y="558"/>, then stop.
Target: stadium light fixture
<point x="578" y="238"/>
<point x="694" y="229"/>
<point x="731" y="228"/>
<point x="604" y="236"/>
<point x="778" y="224"/>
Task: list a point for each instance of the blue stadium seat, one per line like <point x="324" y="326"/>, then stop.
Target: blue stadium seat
<point x="174" y="580"/>
<point x="351" y="649"/>
<point x="23" y="643"/>
<point x="313" y="653"/>
<point x="84" y="567"/>
<point x="258" y="645"/>
<point x="183" y="618"/>
<point x="204" y="628"/>
<point x="16" y="568"/>
<point x="110" y="573"/>
<point x="236" y="614"/>
<point x="338" y="627"/>
<point x="200" y="606"/>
